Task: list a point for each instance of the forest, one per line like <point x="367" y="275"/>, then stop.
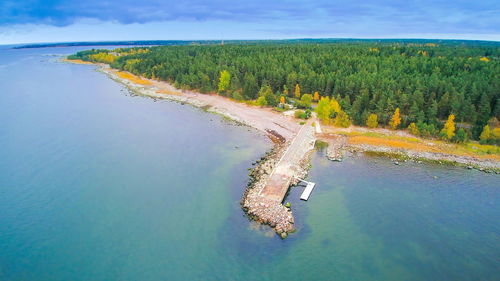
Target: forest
<point x="425" y="82"/>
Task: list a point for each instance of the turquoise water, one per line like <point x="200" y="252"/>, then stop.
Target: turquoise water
<point x="99" y="184"/>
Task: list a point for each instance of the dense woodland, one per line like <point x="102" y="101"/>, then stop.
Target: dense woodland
<point x="428" y="82"/>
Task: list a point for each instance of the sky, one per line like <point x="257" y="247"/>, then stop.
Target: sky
<point x="36" y="21"/>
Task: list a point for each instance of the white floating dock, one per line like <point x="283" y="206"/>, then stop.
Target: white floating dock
<point x="307" y="191"/>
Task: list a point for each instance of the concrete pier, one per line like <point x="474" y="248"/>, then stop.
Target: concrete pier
<point x="289" y="166"/>
<point x="288" y="161"/>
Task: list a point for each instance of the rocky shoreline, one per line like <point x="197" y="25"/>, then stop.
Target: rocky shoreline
<point x="335" y="147"/>
<point x="468" y="162"/>
<point x="337" y="143"/>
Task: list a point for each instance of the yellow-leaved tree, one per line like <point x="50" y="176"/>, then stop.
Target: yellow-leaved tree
<point x="224" y="80"/>
<point x="413" y="129"/>
<point x="297" y="91"/>
<point x="328" y="107"/>
<point x="335" y="106"/>
<point x="395" y="119"/>
<point x="282" y="100"/>
<point x="372" y="121"/>
<point x="323" y="109"/>
<point x="316" y="96"/>
<point x="342" y="119"/>
<point x="485" y="134"/>
<point x="448" y="131"/>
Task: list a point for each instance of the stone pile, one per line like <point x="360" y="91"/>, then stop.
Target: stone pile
<point x="262" y="209"/>
<point x="335" y="147"/>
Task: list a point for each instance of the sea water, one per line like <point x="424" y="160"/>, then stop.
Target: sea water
<point x="97" y="183"/>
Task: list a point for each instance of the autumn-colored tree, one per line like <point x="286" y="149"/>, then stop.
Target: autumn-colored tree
<point x="448" y="132"/>
<point x="372" y="121"/>
<point x="297" y="91"/>
<point x="316" y="96"/>
<point x="413" y="129"/>
<point x="224" y="81"/>
<point x="261" y="101"/>
<point x="323" y="109"/>
<point x="282" y="100"/>
<point x="496" y="134"/>
<point x="395" y="119"/>
<point x="485" y="134"/>
<point x="342" y="119"/>
<point x="329" y="107"/>
<point x="306" y="100"/>
<point x="334" y="106"/>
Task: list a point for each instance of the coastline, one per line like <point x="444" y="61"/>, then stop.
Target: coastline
<point x="281" y="129"/>
<point x="403" y="146"/>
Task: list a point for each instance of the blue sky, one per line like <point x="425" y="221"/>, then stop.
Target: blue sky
<point x="26" y="21"/>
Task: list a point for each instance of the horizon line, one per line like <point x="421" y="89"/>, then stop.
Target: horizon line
<point x="253" y="39"/>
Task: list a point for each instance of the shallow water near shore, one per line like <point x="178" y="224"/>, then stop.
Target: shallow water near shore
<point x="98" y="184"/>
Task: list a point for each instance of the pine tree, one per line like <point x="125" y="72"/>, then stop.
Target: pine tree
<point x="250" y="87"/>
<point x="461" y="136"/>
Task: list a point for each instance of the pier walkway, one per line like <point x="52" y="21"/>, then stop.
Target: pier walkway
<point x="289" y="164"/>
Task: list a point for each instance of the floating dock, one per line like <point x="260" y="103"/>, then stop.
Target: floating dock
<point x="308" y="190"/>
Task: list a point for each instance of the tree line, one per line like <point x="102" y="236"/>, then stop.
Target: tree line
<point x="426" y="82"/>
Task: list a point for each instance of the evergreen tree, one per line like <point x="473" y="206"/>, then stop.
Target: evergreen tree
<point x="250" y="87"/>
<point x="461" y="136"/>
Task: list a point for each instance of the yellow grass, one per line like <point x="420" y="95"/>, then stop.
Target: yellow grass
<point x="132" y="78"/>
<point x="167" y="92"/>
<point x="77" y="61"/>
<point x="434" y="146"/>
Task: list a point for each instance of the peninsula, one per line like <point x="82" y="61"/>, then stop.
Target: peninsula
<point x="295" y="119"/>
